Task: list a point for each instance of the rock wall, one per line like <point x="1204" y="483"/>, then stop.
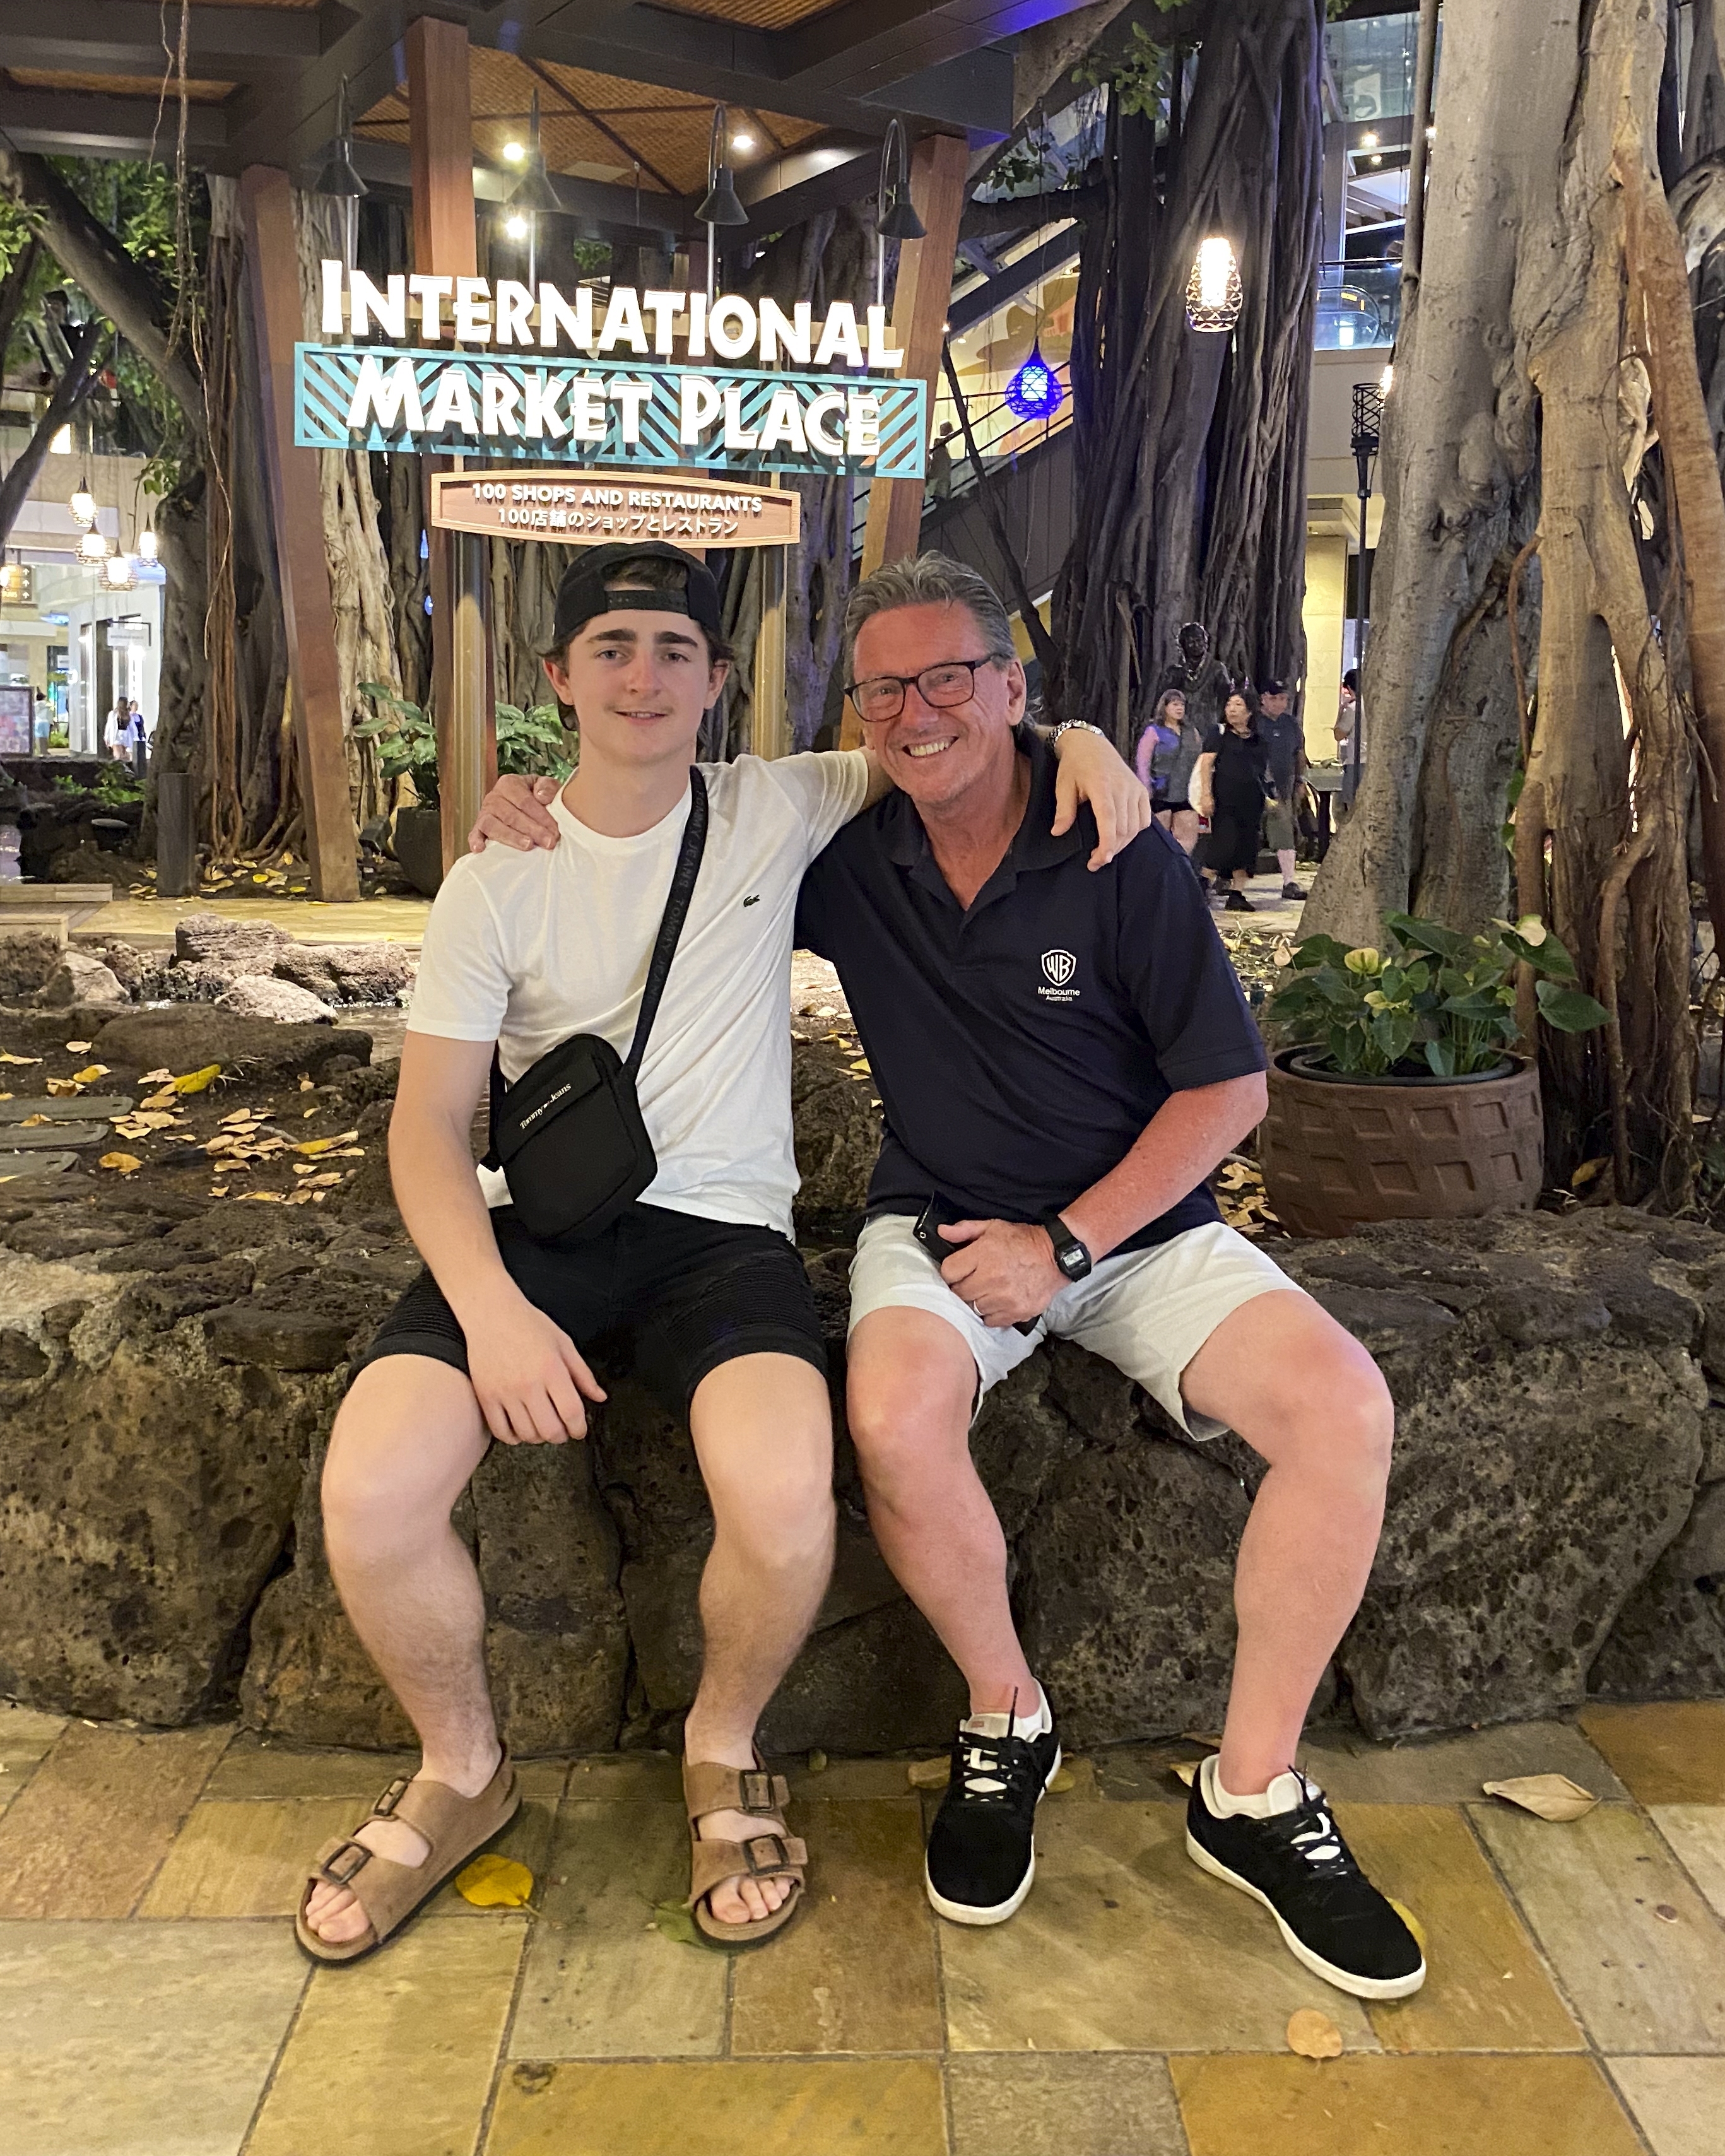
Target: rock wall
<point x="168" y="1371"/>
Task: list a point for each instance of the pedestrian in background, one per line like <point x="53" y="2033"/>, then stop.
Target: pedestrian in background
<point x="1167" y="753"/>
<point x="1285" y="741"/>
<point x="1233" y="780"/>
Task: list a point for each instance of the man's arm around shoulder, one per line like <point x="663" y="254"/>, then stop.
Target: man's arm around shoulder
<point x="526" y="1374"/>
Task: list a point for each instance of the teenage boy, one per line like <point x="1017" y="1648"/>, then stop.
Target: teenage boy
<point x="524" y="950"/>
<point x="1063" y="1060"/>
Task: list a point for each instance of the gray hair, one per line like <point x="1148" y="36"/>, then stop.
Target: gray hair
<point x="930" y="580"/>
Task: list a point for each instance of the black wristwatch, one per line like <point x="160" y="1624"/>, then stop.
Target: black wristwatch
<point x="1070" y="1255"/>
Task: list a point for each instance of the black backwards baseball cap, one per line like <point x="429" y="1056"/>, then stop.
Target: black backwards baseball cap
<point x="597" y="582"/>
<point x="1272" y="687"/>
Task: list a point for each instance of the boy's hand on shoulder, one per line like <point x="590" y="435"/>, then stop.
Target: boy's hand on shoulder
<point x="516" y="812"/>
<point x="1092" y="769"/>
<point x="528" y="1375"/>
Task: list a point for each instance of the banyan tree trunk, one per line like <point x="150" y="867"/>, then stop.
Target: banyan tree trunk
<point x="1190" y="447"/>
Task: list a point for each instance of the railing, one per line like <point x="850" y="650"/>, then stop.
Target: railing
<point x="1358" y="303"/>
<point x="1001" y="435"/>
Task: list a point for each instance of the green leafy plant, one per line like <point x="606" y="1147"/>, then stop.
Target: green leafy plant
<point x="532" y="742"/>
<point x="118" y="783"/>
<point x="1133" y="74"/>
<point x="405" y="738"/>
<point x="1431" y="1001"/>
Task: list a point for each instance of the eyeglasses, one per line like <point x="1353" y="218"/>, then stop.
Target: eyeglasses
<point x="882" y="695"/>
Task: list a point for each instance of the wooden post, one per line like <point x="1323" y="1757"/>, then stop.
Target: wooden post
<point x="938" y="165"/>
<point x="441" y="141"/>
<point x="769" y="717"/>
<point x="296" y="496"/>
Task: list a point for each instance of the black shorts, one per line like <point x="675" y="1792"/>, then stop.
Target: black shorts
<point x="682" y="1294"/>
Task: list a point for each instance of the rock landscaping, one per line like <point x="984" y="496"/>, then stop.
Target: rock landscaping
<point x="175" y="1336"/>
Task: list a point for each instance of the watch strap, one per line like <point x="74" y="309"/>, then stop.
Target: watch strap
<point x="1064" y="1240"/>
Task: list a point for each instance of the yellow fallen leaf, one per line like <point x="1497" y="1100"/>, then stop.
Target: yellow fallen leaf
<point x="306" y="1086"/>
<point x="1547" y="1796"/>
<point x="197" y="1082"/>
<point x="326" y="1145"/>
<point x="125" y="1163"/>
<point x="672" y="1920"/>
<point x="241" y="1115"/>
<point x="30" y="1122"/>
<point x="261" y="1197"/>
<point x="90" y="1074"/>
<point x="929" y="1773"/>
<point x="155" y="1077"/>
<point x="1413" y="1925"/>
<point x="77" y="1047"/>
<point x="220" y="1190"/>
<point x="62" y="1089"/>
<point x="1588" y="1171"/>
<point x="305" y="1167"/>
<point x="6" y="1056"/>
<point x="1313" y="2035"/>
<point x="319" y="1182"/>
<point x="350" y="1153"/>
<point x="494" y="1882"/>
<point x="1185" y="1770"/>
<point x="1064" y="1780"/>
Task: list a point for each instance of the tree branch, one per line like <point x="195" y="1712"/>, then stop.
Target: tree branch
<point x="70" y="391"/>
<point x="96" y="261"/>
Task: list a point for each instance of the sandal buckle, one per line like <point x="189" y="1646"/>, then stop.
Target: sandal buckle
<point x="755" y="1787"/>
<point x="391" y="1797"/>
<point x="361" y="1856"/>
<point x="774" y="1845"/>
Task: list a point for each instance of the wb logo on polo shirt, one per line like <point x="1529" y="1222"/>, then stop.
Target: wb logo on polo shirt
<point x="1058" y="968"/>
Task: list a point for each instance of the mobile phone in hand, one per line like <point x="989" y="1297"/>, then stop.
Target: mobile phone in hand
<point x="937" y="1213"/>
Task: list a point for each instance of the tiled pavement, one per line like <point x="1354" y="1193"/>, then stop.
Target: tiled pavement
<point x="153" y="2002"/>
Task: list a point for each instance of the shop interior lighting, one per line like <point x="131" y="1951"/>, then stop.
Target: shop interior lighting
<point x="1214" y="296"/>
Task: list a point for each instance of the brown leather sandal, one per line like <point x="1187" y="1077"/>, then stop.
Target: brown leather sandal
<point x="453" y="1828"/>
<point x="710" y="1788"/>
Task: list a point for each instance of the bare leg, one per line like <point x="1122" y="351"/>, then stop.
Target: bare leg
<point x="1285" y="862"/>
<point x="1306" y="1395"/>
<point x="762" y="1431"/>
<point x="405" y="1444"/>
<point x="1185" y="828"/>
<point x="911" y="1383"/>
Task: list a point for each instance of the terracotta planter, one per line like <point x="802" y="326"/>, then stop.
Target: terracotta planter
<point x="418" y="844"/>
<point x="1337" y="1152"/>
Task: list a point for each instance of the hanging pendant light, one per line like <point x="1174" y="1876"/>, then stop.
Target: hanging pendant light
<point x="1034" y="392"/>
<point x="719" y="205"/>
<point x="895" y="214"/>
<point x="146" y="544"/>
<point x="83" y="504"/>
<point x="93" y="546"/>
<point x="117" y="573"/>
<point x="533" y="193"/>
<point x="338" y="179"/>
<point x="1213" y="297"/>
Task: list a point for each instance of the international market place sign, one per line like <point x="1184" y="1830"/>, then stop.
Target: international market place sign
<point x="649" y="381"/>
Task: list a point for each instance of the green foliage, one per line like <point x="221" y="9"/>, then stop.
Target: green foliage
<point x="1431" y="1001"/>
<point x="1134" y="73"/>
<point x="531" y="744"/>
<point x="405" y="737"/>
<point x="118" y="783"/>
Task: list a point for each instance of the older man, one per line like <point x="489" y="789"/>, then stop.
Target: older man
<point x="1063" y="1059"/>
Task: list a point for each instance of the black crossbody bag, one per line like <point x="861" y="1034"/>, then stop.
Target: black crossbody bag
<point x="569" y="1134"/>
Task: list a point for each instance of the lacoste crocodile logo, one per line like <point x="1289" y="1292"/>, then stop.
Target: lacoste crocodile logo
<point x="753" y="899"/>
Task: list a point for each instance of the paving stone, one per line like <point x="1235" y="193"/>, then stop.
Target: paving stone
<point x="258" y="1767"/>
<point x="842" y="1779"/>
<point x="646" y="1774"/>
<point x="395" y="2057"/>
<point x="1418" y="2107"/>
<point x="85" y="1837"/>
<point x="600" y="1983"/>
<point x="139" y="2039"/>
<point x="1678" y="2104"/>
<point x="1125" y="1945"/>
<point x="25" y="1738"/>
<point x="1448" y="1770"/>
<point x="855" y="1971"/>
<point x="1696" y="1832"/>
<point x="1117" y="2104"/>
<point x="829" y="2107"/>
<point x="1672" y="1752"/>
<point x="1485" y="1988"/>
<point x="1592" y="1889"/>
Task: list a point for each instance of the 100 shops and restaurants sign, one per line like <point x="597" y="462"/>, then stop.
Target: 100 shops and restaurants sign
<point x="505" y="373"/>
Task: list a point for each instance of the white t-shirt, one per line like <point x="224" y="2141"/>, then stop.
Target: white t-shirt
<point x="528" y="948"/>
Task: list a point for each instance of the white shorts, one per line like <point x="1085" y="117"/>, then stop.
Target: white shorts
<point x="1146" y="1312"/>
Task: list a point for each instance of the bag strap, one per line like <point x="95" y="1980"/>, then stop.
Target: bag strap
<point x="676" y="911"/>
<point x="670" y="928"/>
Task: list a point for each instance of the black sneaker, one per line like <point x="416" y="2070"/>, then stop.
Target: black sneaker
<point x="1293" y="891"/>
<point x="1331" y="1917"/>
<point x="982" y="1852"/>
<point x="1238" y="902"/>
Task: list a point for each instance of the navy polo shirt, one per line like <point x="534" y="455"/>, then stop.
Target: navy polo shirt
<point x="1019" y="1047"/>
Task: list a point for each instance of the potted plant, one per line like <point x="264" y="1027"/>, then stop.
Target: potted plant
<point x="530" y="742"/>
<point x="1397" y="1096"/>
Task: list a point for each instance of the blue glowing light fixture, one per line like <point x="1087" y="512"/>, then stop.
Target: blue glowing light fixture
<point x="1034" y="392"/>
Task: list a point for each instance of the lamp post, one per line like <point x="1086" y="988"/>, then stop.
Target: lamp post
<point x="1368" y="430"/>
<point x="719" y="205"/>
